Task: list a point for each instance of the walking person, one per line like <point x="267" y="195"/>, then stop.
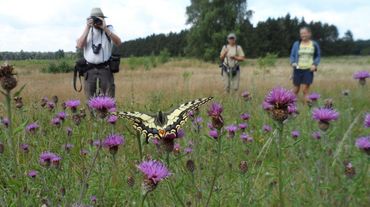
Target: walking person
<point x="231" y="54"/>
<point x="97" y="43"/>
<point x="305" y="59"/>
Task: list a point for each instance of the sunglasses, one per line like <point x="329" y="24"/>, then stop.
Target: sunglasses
<point x="231" y="38"/>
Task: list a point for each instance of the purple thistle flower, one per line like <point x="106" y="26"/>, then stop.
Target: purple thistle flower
<point x="314" y="96"/>
<point x="84" y="152"/>
<point x="50" y="105"/>
<point x="295" y="134"/>
<point x="112" y="142"/>
<point x="112" y="119"/>
<point x="324" y="115"/>
<point x="102" y="103"/>
<point x="62" y="115"/>
<point x="31" y="128"/>
<point x="72" y="104"/>
<point x="188" y="150"/>
<point x="316" y="135"/>
<point x="361" y="75"/>
<point x="243" y="126"/>
<point x="5" y="122"/>
<point x="32" y="173"/>
<point x="93" y="199"/>
<point x="266" y="128"/>
<point x="69" y="131"/>
<point x="213" y="133"/>
<point x="154" y="171"/>
<point x="281" y="103"/>
<point x="245" y="116"/>
<point x="246" y="96"/>
<point x="67" y="147"/>
<point x="246" y="138"/>
<point x="113" y="109"/>
<point x="180" y="133"/>
<point x="176" y="148"/>
<point x="215" y="110"/>
<point x="56" y="121"/>
<point x="231" y="129"/>
<point x="25" y="148"/>
<point x="363" y="143"/>
<point x="367" y="121"/>
<point x="198" y="120"/>
<point x="97" y="143"/>
<point x="47" y="158"/>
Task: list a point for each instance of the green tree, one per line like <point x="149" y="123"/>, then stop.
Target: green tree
<point x="210" y="22"/>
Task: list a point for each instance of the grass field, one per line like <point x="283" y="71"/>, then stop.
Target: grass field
<point x="313" y="173"/>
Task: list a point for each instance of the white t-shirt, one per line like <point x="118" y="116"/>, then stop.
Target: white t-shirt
<point x="99" y="38"/>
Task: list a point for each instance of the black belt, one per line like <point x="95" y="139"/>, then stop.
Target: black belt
<point x="100" y="65"/>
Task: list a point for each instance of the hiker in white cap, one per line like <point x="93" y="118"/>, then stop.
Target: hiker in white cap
<point x="97" y="43"/>
<point x="231" y="55"/>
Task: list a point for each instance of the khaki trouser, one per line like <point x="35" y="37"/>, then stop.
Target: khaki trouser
<point x="106" y="85"/>
<point x="233" y="83"/>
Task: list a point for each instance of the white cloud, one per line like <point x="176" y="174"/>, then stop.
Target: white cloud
<point x="349" y="15"/>
<point x="48" y="25"/>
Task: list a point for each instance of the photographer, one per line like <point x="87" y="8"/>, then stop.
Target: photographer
<point x="97" y="43"/>
<point x="231" y="54"/>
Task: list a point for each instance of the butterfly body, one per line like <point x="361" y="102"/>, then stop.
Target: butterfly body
<point x="162" y="124"/>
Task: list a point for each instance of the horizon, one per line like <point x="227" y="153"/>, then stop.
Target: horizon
<point x="61" y="22"/>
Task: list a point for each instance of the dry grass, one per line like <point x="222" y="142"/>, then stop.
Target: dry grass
<point x="140" y="86"/>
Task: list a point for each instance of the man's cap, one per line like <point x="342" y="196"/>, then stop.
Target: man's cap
<point x="97" y="12"/>
<point x="231" y="35"/>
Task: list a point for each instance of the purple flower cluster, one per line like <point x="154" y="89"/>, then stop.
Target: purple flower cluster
<point x="325" y="115"/>
<point x="113" y="141"/>
<point x="314" y="97"/>
<point x="47" y="158"/>
<point x="31" y="128"/>
<point x="361" y="75"/>
<point x="154" y="171"/>
<point x="102" y="103"/>
<point x="72" y="104"/>
<point x="112" y="119"/>
<point x="266" y="128"/>
<point x="367" y="120"/>
<point x="363" y="143"/>
<point x="295" y="134"/>
<point x="281" y="103"/>
<point x="214" y="112"/>
<point x="246" y="138"/>
<point x="316" y="135"/>
<point x="231" y="129"/>
<point x="32" y="173"/>
<point x="245" y="116"/>
<point x="62" y="115"/>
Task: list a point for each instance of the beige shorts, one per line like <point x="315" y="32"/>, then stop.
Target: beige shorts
<point x="233" y="83"/>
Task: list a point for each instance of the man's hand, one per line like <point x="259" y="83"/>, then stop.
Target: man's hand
<point x="313" y="68"/>
<point x="102" y="26"/>
<point x="89" y="22"/>
<point x="294" y="65"/>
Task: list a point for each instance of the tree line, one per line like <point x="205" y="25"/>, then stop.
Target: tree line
<point x="211" y="21"/>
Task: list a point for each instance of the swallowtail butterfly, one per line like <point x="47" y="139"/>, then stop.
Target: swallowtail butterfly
<point x="163" y="124"/>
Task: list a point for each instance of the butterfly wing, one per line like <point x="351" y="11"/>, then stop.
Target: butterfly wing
<point x="179" y="116"/>
<point x="143" y="123"/>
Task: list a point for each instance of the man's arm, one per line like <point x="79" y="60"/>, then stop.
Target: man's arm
<point x="116" y="40"/>
<point x="224" y="52"/>
<point x="81" y="42"/>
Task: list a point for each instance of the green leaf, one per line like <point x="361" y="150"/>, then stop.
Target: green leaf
<point x="20" y="127"/>
<point x="19" y="91"/>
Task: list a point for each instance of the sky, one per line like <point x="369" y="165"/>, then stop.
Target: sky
<point x="49" y="25"/>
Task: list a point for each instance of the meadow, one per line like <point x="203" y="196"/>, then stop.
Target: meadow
<point x="255" y="166"/>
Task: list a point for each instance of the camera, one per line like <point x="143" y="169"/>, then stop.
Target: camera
<point x="96" y="49"/>
<point x="96" y="20"/>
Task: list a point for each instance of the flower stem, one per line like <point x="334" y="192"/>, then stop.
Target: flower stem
<point x="172" y="188"/>
<point x="10" y="137"/>
<point x="138" y="138"/>
<point x="143" y="200"/>
<point x="280" y="168"/>
<point x="84" y="183"/>
<point x="215" y="175"/>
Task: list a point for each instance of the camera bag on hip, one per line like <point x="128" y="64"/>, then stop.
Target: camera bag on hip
<point x="114" y="62"/>
<point x="81" y="67"/>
